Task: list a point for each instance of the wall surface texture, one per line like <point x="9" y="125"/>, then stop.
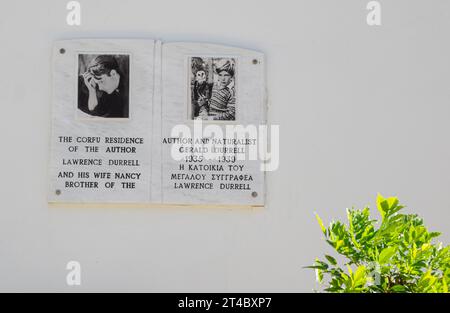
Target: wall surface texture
<point x="361" y="110"/>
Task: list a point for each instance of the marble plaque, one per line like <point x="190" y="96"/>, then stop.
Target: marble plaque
<point x="151" y="123"/>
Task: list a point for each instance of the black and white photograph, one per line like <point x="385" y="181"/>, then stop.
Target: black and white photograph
<point x="212" y="88"/>
<point x="103" y="85"/>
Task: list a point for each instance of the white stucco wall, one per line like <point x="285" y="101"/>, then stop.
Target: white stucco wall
<point x="361" y="110"/>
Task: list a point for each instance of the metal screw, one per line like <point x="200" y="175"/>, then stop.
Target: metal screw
<point x="254" y="194"/>
<point x="62" y="50"/>
<point x="57" y="192"/>
<point x="255" y="61"/>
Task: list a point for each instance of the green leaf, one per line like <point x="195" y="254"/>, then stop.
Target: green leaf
<point x="382" y="205"/>
<point x="386" y="255"/>
<point x="359" y="278"/>
<point x="434" y="234"/>
<point x="349" y="269"/>
<point x="321" y="265"/>
<point x="322" y="226"/>
<point x="331" y="259"/>
<point x="398" y="288"/>
<point x="315" y="267"/>
<point x="425" y="247"/>
<point x="388" y="206"/>
<point x="319" y="275"/>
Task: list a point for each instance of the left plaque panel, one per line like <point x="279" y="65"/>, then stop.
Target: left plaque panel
<point x="102" y="107"/>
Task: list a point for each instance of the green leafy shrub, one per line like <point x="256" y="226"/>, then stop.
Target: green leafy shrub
<point x="398" y="256"/>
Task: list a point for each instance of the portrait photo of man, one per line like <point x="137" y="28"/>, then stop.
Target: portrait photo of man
<point x="103" y="85"/>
